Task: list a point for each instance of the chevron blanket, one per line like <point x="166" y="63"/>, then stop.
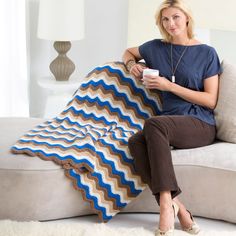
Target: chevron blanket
<point x="89" y="138"/>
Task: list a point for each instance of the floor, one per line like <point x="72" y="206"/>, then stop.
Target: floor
<point x="149" y="222"/>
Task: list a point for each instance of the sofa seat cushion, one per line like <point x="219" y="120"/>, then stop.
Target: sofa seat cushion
<point x="11" y="130"/>
<point x="221" y="155"/>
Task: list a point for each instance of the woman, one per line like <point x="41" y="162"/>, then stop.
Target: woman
<point x="188" y="81"/>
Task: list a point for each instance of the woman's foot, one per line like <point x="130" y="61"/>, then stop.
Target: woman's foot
<point x="185" y="219"/>
<point x="187" y="222"/>
<point x="167" y="219"/>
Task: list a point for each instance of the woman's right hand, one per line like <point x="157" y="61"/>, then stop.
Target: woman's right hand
<point x="130" y="57"/>
<point x="137" y="70"/>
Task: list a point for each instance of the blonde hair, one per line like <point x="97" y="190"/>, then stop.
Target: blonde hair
<point x="181" y="6"/>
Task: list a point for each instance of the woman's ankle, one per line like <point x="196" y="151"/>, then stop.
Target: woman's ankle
<point x="166" y="206"/>
<point x="166" y="221"/>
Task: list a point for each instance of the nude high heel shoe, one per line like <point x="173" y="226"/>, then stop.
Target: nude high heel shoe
<point x="194" y="228"/>
<point x="169" y="232"/>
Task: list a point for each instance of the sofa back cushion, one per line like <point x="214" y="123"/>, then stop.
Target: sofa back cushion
<point x="225" y="112"/>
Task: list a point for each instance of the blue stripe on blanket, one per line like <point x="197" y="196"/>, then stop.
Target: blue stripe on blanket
<point x="102" y="105"/>
<point x="108" y="190"/>
<point x="131" y="83"/>
<point x="114" y="171"/>
<point x="90" y="197"/>
<point x="122" y="95"/>
<point x="37" y="151"/>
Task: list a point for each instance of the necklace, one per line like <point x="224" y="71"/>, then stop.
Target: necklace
<point x="173" y="70"/>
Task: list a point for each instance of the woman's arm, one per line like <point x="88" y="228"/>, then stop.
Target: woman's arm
<point x="207" y="98"/>
<point x="130" y="57"/>
<point x="131" y="54"/>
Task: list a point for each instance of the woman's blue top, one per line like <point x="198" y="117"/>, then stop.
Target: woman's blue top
<point x="198" y="63"/>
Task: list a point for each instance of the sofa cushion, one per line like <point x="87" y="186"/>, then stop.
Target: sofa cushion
<point x="219" y="155"/>
<point x="225" y="112"/>
<point x="11" y="130"/>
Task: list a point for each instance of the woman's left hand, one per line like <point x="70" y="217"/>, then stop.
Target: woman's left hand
<point x="156" y="82"/>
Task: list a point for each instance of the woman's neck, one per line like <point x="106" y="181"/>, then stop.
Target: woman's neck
<point x="181" y="40"/>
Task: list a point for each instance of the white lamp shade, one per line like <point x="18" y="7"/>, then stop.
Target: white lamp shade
<point x="61" y="20"/>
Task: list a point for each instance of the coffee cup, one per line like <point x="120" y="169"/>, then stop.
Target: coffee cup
<point x="150" y="72"/>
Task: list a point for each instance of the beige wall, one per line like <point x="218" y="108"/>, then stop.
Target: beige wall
<point x="208" y="14"/>
<point x="141" y="22"/>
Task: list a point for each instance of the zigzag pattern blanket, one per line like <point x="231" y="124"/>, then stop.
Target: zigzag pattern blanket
<point x="89" y="138"/>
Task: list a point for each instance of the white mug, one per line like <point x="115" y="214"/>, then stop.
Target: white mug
<point x="150" y="72"/>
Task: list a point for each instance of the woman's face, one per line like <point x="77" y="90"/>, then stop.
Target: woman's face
<point x="174" y="21"/>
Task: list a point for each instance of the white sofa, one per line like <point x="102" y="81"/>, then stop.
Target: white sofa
<point x="33" y="189"/>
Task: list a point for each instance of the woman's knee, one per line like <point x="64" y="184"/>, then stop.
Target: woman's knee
<point x="136" y="139"/>
<point x="155" y="123"/>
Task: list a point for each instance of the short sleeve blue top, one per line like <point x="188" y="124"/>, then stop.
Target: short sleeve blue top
<point x="198" y="63"/>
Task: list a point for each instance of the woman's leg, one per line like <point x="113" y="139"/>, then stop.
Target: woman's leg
<point x="167" y="217"/>
<point x="138" y="150"/>
<point x="180" y="132"/>
<point x="160" y="133"/>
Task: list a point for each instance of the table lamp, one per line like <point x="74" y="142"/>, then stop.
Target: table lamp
<point x="61" y="21"/>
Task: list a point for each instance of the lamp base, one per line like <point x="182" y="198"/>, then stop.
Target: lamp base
<point x="62" y="67"/>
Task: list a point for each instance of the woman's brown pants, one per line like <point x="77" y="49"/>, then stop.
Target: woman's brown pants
<point x="151" y="150"/>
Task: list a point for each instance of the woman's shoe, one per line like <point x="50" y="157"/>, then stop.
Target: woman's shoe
<point x="194" y="228"/>
<point x="169" y="232"/>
